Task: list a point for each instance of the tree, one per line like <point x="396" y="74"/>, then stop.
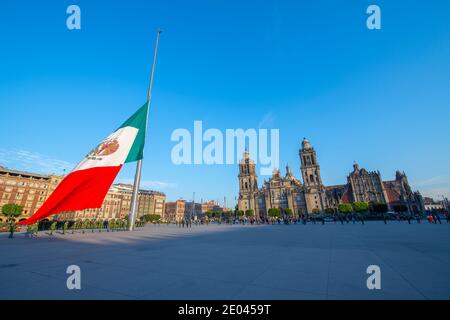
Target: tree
<point x="53" y="228"/>
<point x="345" y="208"/>
<point x="274" y="213"/>
<point x="12" y="210"/>
<point x="217" y="214"/>
<point x="74" y="226"/>
<point x="316" y="211"/>
<point x="329" y="211"/>
<point x="152" y="218"/>
<point x="400" y="208"/>
<point x="379" y="207"/>
<point x="288" y="212"/>
<point x="240" y="213"/>
<point x="249" y="213"/>
<point x="111" y="224"/>
<point x="227" y="214"/>
<point x="84" y="225"/>
<point x="99" y="225"/>
<point x="65" y="227"/>
<point x="361" y="207"/>
<point x="208" y="214"/>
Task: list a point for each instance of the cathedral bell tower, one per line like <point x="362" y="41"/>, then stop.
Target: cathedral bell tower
<point x="248" y="184"/>
<point x="314" y="190"/>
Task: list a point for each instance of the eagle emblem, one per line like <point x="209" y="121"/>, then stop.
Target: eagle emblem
<point x="105" y="148"/>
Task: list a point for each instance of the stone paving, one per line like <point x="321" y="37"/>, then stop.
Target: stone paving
<point x="232" y="262"/>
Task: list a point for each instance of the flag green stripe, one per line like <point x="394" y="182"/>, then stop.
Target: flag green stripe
<point x="137" y="120"/>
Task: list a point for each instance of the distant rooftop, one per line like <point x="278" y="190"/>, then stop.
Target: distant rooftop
<point x="4" y="170"/>
<point x="117" y="186"/>
<point x="129" y="187"/>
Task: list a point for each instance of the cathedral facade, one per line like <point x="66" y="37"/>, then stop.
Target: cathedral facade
<point x="311" y="196"/>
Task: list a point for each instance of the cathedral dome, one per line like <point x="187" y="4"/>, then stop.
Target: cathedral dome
<point x="306" y="144"/>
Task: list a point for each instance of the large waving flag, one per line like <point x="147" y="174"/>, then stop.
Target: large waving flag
<point x="87" y="185"/>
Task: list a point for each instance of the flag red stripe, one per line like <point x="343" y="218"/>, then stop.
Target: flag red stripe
<point x="80" y="190"/>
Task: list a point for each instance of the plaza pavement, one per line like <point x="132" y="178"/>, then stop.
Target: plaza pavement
<point x="232" y="262"/>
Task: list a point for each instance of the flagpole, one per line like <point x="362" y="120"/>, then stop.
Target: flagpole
<point x="137" y="177"/>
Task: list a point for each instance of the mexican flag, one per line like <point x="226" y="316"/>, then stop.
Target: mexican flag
<point x="87" y="185"/>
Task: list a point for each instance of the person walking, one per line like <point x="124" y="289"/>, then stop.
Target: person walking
<point x="12" y="229"/>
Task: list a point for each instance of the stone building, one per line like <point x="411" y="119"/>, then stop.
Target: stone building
<point x="151" y="202"/>
<point x="431" y="205"/>
<point x="193" y="210"/>
<point x="175" y="211"/>
<point x="283" y="192"/>
<point x="117" y="205"/>
<point x="210" y="205"/>
<point x="30" y="190"/>
<point x="365" y="186"/>
<point x="311" y="196"/>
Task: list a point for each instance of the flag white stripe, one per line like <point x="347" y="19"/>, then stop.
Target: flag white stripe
<point x="120" y="142"/>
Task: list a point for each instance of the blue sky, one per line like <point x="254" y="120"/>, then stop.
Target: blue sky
<point x="310" y="68"/>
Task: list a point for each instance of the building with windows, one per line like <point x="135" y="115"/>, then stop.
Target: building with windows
<point x="151" y="202"/>
<point x="117" y="205"/>
<point x="311" y="196"/>
<point x="30" y="190"/>
<point x="175" y="211"/>
<point x="27" y="189"/>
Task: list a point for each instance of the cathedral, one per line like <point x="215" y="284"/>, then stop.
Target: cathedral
<point x="311" y="196"/>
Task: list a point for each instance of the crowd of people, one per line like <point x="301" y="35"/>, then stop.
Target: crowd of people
<point x="304" y="219"/>
<point x="353" y="218"/>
